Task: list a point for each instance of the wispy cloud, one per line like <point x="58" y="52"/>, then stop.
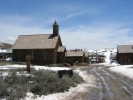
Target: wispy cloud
<point x="74" y="15"/>
<point x="15" y="7"/>
<point x="104" y="41"/>
<point x="116" y="42"/>
<point x="81" y="26"/>
<point x="10" y="39"/>
<point x="130" y="42"/>
<point x="62" y="8"/>
<point x="83" y="37"/>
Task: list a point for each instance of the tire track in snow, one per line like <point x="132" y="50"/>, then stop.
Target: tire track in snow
<point x="108" y="93"/>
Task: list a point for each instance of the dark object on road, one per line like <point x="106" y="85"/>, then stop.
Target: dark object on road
<point x="65" y="72"/>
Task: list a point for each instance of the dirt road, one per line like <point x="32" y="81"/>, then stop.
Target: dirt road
<point x="110" y="86"/>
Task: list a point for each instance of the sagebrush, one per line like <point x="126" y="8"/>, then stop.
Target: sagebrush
<point x="42" y="82"/>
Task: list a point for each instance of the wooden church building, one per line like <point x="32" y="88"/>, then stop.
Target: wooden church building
<point x="43" y="48"/>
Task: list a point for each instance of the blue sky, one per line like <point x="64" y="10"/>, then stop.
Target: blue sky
<point x="83" y="24"/>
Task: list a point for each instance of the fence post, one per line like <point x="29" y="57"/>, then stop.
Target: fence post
<point x="28" y="58"/>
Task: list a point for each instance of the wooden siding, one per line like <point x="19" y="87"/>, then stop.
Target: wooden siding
<point x="125" y="58"/>
<point x="60" y="57"/>
<point x="37" y="55"/>
<point x="59" y="43"/>
<point x="72" y="60"/>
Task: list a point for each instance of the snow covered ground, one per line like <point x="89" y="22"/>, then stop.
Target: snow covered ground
<point x="125" y="70"/>
<point x="9" y="59"/>
<point x="35" y="67"/>
<point x="73" y="91"/>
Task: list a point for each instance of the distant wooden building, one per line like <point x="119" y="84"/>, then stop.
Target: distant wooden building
<point x="5" y="50"/>
<point x="125" y="54"/>
<point x="74" y="56"/>
<point x="86" y="58"/>
<point x="96" y="58"/>
<point x="43" y="48"/>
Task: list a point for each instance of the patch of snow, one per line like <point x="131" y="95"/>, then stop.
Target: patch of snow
<point x="125" y="70"/>
<point x="73" y="91"/>
<point x="9" y="59"/>
<point x="3" y="51"/>
<point x="51" y="68"/>
<point x="35" y="67"/>
<point x="107" y="54"/>
<point x="3" y="74"/>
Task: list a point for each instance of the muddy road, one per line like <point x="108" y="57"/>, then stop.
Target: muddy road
<point x="110" y="86"/>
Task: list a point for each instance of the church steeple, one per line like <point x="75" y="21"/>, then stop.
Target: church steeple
<point x="55" y="29"/>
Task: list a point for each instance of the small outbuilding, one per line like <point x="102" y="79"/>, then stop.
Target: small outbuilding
<point x="125" y="54"/>
<point x="5" y="50"/>
<point x="74" y="56"/>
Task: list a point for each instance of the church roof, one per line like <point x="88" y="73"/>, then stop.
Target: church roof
<point x="39" y="41"/>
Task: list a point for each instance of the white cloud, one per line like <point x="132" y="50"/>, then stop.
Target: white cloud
<point x="130" y="42"/>
<point x="116" y="42"/>
<point x="104" y="41"/>
<point x="10" y="39"/>
<point x="86" y="37"/>
<point x="81" y="26"/>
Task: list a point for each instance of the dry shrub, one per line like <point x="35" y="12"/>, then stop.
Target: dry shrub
<point x="42" y="82"/>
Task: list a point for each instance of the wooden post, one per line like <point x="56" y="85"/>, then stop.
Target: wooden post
<point x="28" y="58"/>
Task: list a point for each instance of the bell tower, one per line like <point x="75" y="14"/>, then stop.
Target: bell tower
<point x="55" y="29"/>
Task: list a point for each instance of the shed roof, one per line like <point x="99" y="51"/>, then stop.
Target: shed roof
<point x="74" y="54"/>
<point x="86" y="54"/>
<point x="61" y="49"/>
<point x="39" y="41"/>
<point x="125" y="48"/>
<point x="5" y="45"/>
